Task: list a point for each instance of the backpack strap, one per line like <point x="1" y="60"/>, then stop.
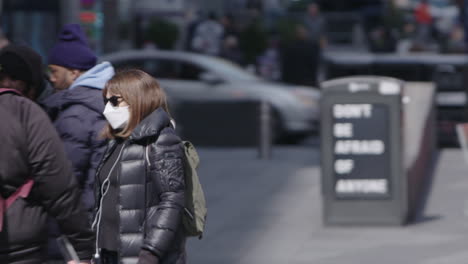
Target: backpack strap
<point x="21" y="192"/>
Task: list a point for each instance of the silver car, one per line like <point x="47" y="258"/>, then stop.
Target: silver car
<point x="191" y="76"/>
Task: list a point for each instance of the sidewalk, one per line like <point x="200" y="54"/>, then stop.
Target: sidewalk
<point x="266" y="212"/>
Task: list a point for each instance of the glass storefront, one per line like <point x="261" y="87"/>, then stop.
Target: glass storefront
<point x="33" y="23"/>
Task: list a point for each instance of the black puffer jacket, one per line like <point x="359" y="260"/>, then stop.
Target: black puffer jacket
<point x="30" y="147"/>
<point x="151" y="191"/>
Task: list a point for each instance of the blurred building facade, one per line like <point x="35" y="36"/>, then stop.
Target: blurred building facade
<point x="121" y="24"/>
<point x="110" y="24"/>
<point x="36" y="23"/>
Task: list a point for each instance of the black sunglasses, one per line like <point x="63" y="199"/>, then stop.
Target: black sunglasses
<point x="114" y="100"/>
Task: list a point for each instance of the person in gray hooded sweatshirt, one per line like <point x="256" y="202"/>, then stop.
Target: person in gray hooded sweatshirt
<point x="77" y="106"/>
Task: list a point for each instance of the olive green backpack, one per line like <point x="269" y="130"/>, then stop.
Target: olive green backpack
<point x="195" y="205"/>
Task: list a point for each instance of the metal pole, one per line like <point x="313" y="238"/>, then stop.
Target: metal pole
<point x="69" y="12"/>
<point x="110" y="41"/>
<point x="265" y="135"/>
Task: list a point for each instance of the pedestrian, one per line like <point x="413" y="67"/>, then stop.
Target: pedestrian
<point x="229" y="25"/>
<point x="194" y="18"/>
<point x="424" y="21"/>
<point x="315" y="25"/>
<point x="269" y="61"/>
<point x="208" y="36"/>
<point x="300" y="59"/>
<point x="21" y="68"/>
<point x="141" y="178"/>
<point x="76" y="108"/>
<point x="36" y="181"/>
<point x="231" y="50"/>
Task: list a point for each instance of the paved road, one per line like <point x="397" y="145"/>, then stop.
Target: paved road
<point x="270" y="212"/>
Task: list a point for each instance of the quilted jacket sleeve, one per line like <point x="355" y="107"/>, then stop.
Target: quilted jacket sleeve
<point x="54" y="183"/>
<point x="97" y="147"/>
<point x="167" y="173"/>
<point x="79" y="127"/>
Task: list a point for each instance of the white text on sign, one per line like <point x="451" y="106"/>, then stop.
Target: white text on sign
<point x="344" y="166"/>
<point x="343" y="130"/>
<point x="377" y="186"/>
<point x="359" y="147"/>
<point x="352" y="110"/>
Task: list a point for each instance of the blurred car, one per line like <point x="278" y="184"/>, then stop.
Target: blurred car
<point x="190" y="76"/>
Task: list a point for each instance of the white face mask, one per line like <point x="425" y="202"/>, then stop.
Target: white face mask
<point x="117" y="116"/>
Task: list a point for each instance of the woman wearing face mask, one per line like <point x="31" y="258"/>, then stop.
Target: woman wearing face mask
<point x="141" y="177"/>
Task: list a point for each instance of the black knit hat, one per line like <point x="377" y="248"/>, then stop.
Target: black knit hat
<point x="23" y="63"/>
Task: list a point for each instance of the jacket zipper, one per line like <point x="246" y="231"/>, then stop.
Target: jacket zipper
<point x="147" y="154"/>
<point x="97" y="220"/>
<point x="147" y="170"/>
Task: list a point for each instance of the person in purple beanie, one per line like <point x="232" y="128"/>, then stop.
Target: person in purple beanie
<point x="76" y="108"/>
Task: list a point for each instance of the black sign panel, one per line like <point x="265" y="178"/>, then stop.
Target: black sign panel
<point x="361" y="150"/>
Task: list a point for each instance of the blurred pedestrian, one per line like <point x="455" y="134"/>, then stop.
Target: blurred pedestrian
<point x="76" y="108"/>
<point x="269" y="62"/>
<point x="231" y="50"/>
<point x="229" y="25"/>
<point x="315" y="25"/>
<point x="253" y="40"/>
<point x="141" y="180"/>
<point x="21" y="68"/>
<point x="424" y="21"/>
<point x="381" y="40"/>
<point x="273" y="11"/>
<point x="456" y="41"/>
<point x="208" y="36"/>
<point x="299" y="59"/>
<point x="36" y="181"/>
<point x="407" y="41"/>
<point x="193" y="18"/>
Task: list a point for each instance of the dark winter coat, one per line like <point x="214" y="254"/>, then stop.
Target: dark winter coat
<point x="77" y="116"/>
<point x="30" y="147"/>
<point x="300" y="60"/>
<point x="151" y="191"/>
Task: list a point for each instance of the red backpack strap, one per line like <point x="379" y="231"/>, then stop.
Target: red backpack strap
<point x="8" y="90"/>
<point x="21" y="192"/>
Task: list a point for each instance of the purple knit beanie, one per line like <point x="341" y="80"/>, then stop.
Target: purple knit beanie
<point x="71" y="49"/>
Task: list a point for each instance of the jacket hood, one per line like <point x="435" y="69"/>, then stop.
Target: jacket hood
<point x="151" y="125"/>
<point x="95" y="77"/>
<point x="85" y="96"/>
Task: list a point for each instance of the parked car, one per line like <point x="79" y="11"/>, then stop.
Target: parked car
<point x="190" y="76"/>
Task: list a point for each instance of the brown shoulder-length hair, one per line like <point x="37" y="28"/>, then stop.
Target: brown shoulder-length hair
<point x="143" y="95"/>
